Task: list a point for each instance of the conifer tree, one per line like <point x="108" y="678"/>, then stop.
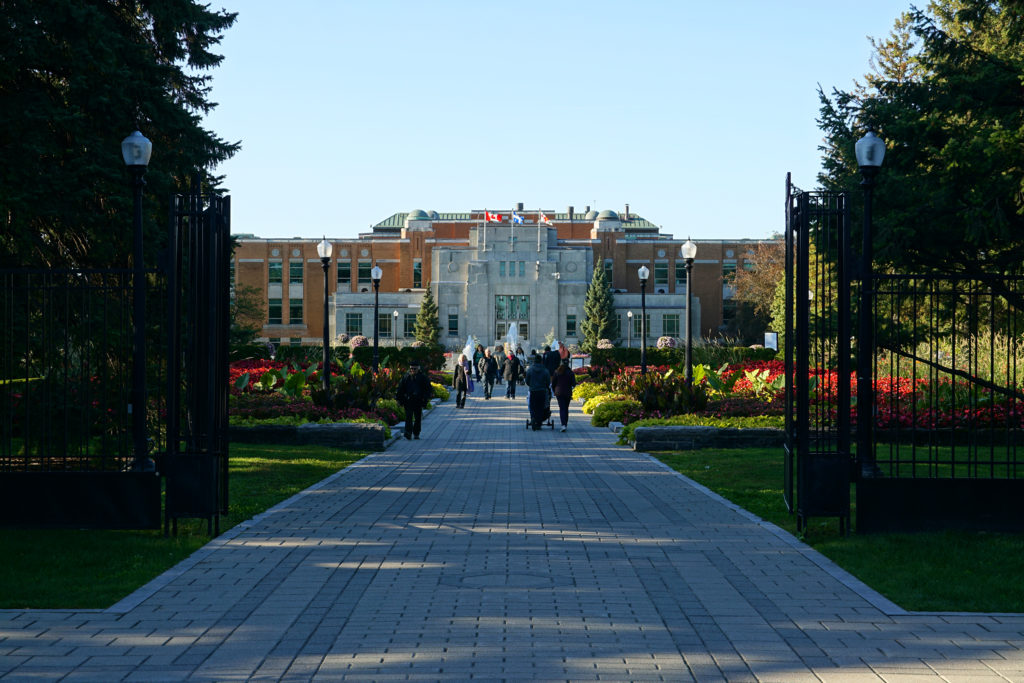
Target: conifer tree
<point x="598" y="312"/>
<point x="428" y="327"/>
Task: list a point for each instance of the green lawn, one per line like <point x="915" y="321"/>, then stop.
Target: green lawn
<point x="940" y="571"/>
<point x="95" y="569"/>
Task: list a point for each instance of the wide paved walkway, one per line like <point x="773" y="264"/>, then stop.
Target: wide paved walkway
<point x="487" y="551"/>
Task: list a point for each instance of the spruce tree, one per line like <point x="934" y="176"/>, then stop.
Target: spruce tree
<point x="428" y="327"/>
<point x="598" y="312"/>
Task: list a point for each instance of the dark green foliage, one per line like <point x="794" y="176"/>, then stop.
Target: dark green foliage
<point x="598" y="312"/>
<point x="711" y="355"/>
<point x="431" y="358"/>
<point x="946" y="96"/>
<point x="428" y="328"/>
<point x="75" y="79"/>
<point x="665" y="394"/>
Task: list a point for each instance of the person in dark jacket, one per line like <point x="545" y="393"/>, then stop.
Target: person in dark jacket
<point x="562" y="383"/>
<point x="551" y="360"/>
<point x="478" y="355"/>
<point x="511" y="374"/>
<point x="538" y="381"/>
<point x="488" y="372"/>
<point x="460" y="381"/>
<point x="414" y="394"/>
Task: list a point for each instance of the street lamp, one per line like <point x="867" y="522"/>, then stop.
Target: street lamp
<point x="689" y="252"/>
<point x="643" y="272"/>
<point x="870" y="151"/>
<point x="629" y="329"/>
<point x="136" y="150"/>
<point x="394" y="328"/>
<point x="324" y="251"/>
<point x="375" y="274"/>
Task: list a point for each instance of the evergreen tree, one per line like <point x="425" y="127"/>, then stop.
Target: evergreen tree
<point x="598" y="312"/>
<point x="946" y="97"/>
<point x="77" y="78"/>
<point x="428" y="327"/>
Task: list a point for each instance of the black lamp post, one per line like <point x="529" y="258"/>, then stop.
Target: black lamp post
<point x="643" y="272"/>
<point x="629" y="329"/>
<point x="136" y="150"/>
<point x="689" y="252"/>
<point x="870" y="151"/>
<point x="324" y="251"/>
<point x="375" y="275"/>
<point x="394" y="328"/>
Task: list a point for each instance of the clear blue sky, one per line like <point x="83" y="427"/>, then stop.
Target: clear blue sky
<point x="690" y="112"/>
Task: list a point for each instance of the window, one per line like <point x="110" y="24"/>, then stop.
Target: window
<point x="508" y="309"/>
<point x="609" y="271"/>
<point x="364" y="272"/>
<point x="570" y="325"/>
<point x="728" y="271"/>
<point x="294" y="311"/>
<point x="231" y="274"/>
<point x="384" y="324"/>
<point x="729" y="307"/>
<point x="353" y="323"/>
<point x="295" y="272"/>
<point x="273" y="311"/>
<point x="522" y="269"/>
<point x="501" y="269"/>
<point x="344" y="272"/>
<point x="660" y="274"/>
<point x="275" y="272"/>
<point x="410" y="326"/>
<point x="670" y="324"/>
<point x="417" y="273"/>
<point x="680" y="276"/>
<point x="453" y="324"/>
<point x="295" y="341"/>
<point x="637" y="322"/>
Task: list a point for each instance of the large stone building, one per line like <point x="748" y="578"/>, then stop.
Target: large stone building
<point x="531" y="268"/>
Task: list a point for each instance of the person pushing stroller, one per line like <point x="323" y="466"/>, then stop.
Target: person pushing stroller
<point x="538" y="381"/>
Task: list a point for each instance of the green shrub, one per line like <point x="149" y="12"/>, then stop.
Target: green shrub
<point x="613" y="411"/>
<point x="394" y="406"/>
<point x="592" y="403"/>
<point x="588" y="390"/>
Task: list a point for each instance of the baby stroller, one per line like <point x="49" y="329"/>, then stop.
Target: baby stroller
<point x="540" y="409"/>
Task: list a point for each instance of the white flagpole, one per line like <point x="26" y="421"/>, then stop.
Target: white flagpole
<point x="485" y="230"/>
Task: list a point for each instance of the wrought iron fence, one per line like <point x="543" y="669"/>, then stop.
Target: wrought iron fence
<point x="948" y="371"/>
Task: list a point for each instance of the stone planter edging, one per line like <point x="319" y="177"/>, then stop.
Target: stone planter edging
<point x="679" y="438"/>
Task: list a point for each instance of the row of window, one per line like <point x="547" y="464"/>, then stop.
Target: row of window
<point x="275" y="272"/>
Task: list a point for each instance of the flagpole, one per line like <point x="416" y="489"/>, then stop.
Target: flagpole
<point x="485" y="229"/>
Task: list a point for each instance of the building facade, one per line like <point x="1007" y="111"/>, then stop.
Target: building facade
<point x="527" y="268"/>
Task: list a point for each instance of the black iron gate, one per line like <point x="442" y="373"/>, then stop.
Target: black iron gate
<point x="817" y="353"/>
<point x="940" y="414"/>
<point x="195" y="462"/>
<point x="66" y="369"/>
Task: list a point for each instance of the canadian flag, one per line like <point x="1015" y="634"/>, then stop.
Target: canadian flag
<point x="489" y="217"/>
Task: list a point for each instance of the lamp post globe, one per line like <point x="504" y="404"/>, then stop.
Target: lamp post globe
<point x="136" y="150"/>
<point x="689" y="253"/>
<point x="870" y="151"/>
<point x="643" y="272"/>
<point x="375" y="275"/>
<point x="324" y="250"/>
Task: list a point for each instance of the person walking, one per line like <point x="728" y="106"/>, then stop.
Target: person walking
<point x="562" y="383"/>
<point x="478" y="355"/>
<point x="460" y="381"/>
<point x="414" y="394"/>
<point x="521" y="356"/>
<point x="488" y="372"/>
<point x="550" y="359"/>
<point x="512" y="372"/>
<point x="538" y="381"/>
<point x="499" y="358"/>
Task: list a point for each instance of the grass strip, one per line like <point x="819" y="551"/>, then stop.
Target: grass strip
<point x="87" y="568"/>
<point x="950" y="571"/>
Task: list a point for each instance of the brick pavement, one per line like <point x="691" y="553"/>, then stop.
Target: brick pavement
<point x="488" y="551"/>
